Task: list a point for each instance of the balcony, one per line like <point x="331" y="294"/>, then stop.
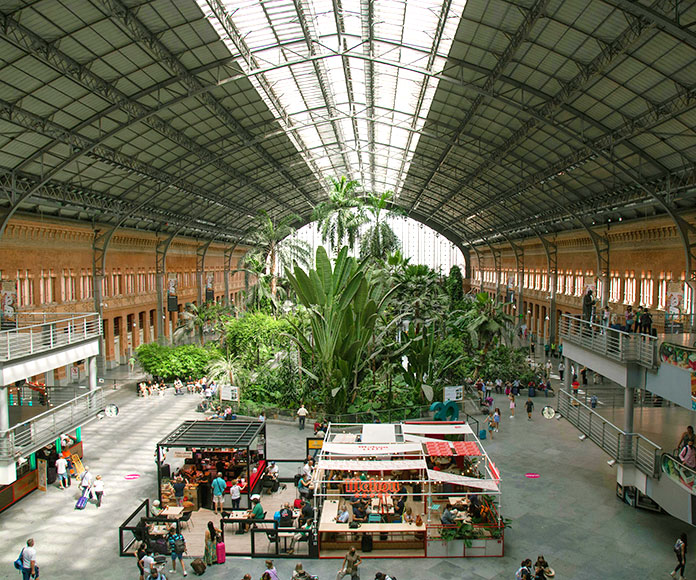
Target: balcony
<point x="617" y="345"/>
<point x="37" y="332"/>
<point x="28" y="436"/>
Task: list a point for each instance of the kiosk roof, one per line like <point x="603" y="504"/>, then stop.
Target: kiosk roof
<point x="213" y="434"/>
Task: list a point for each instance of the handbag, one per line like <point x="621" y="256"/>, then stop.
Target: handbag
<point x="419" y="520"/>
<point x="18" y="561"/>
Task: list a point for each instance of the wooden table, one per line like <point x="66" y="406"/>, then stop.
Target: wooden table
<point x="173" y="511"/>
<point x="460" y="499"/>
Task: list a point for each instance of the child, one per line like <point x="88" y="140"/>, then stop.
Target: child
<point x="496" y="419"/>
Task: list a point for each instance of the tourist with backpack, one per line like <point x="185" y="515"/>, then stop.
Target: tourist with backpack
<point x="525" y="570"/>
<point x="680" y="553"/>
<point x="177" y="548"/>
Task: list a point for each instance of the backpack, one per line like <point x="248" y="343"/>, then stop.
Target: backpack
<point x="522" y="573"/>
<point x="179" y="545"/>
<point x="678" y="546"/>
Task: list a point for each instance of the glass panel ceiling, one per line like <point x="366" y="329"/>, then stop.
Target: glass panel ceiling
<point x="326" y="69"/>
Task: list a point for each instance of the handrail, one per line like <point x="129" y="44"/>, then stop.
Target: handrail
<point x="626" y="448"/>
<point x="27" y="436"/>
<point x="48" y="334"/>
<point x="610" y="342"/>
<point x="678" y="472"/>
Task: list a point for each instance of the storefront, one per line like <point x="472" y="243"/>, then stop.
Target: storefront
<point x="199" y="450"/>
<point x="393" y="484"/>
<point x="37" y="471"/>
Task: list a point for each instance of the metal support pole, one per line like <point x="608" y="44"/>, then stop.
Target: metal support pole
<point x="629" y="394"/>
<point x="4" y="410"/>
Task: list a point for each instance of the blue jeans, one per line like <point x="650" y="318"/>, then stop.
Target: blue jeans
<point x="26" y="573"/>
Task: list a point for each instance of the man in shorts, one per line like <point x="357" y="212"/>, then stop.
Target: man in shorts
<point x="62" y="472"/>
<point x="219" y="487"/>
<point x="176" y="543"/>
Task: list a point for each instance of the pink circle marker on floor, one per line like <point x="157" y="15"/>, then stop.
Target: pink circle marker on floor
<point x="531" y="475"/>
<point x="132" y="476"/>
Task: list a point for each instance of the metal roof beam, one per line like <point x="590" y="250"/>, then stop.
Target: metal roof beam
<point x="34" y="123"/>
<point x="598" y="65"/>
<point x="80" y="197"/>
<point x="660" y="19"/>
<point x="47" y="52"/>
<point x="141" y="33"/>
<point x="367" y="12"/>
<point x="518" y="38"/>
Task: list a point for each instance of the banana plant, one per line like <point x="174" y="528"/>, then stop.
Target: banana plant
<point x="343" y="306"/>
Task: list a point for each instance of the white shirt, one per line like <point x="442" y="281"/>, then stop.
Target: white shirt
<point x="235" y="491"/>
<point x="274" y="469"/>
<point x="61" y="465"/>
<point x="148" y="562"/>
<point x="307" y="469"/>
<point x="86" y="480"/>
<point x="302" y="412"/>
<point x="98" y="485"/>
<point x="28" y="554"/>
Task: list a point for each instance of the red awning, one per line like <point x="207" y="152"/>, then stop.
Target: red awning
<point x="438" y="448"/>
<point x="469" y="448"/>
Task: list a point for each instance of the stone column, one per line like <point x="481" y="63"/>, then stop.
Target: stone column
<point x="92" y="372"/>
<point x="4" y="409"/>
<point x="629" y="394"/>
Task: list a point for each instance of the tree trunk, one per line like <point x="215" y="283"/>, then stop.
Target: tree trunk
<point x="274" y="280"/>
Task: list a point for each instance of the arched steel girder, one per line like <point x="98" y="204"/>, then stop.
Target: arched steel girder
<point x="32" y="44"/>
<point x="201" y="252"/>
<point x="570" y="88"/>
<point x="42" y="126"/>
<point x="178" y="79"/>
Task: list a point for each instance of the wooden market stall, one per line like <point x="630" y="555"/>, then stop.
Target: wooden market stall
<point x="385" y="488"/>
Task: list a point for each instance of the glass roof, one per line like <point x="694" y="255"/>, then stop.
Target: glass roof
<point x="350" y="81"/>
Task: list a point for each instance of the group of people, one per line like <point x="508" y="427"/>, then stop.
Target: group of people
<point x="539" y="571"/>
<point x="630" y="320"/>
<point x="685" y="448"/>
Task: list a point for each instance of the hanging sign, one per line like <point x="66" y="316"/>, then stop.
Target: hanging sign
<point x="8" y="303"/>
<point x="675" y="297"/>
<point x="172" y="298"/>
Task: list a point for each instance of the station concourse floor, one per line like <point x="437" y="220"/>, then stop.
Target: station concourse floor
<point x="570" y="514"/>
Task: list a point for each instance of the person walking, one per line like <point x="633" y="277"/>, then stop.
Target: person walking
<point x="271" y="570"/>
<point x="219" y="486"/>
<point x="496" y="419"/>
<point x="529" y="406"/>
<point x="680" y="553"/>
<point x="177" y="548"/>
<point x="28" y="558"/>
<point x="98" y="489"/>
<point x="351" y="561"/>
<point x="302" y="414"/>
<point x="86" y="482"/>
<point x="512" y="406"/>
<point x="62" y="472"/>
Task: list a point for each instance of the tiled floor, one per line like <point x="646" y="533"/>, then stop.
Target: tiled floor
<point x="570" y="514"/>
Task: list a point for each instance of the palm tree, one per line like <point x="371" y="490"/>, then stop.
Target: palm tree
<point x="190" y="325"/>
<point x="379" y="240"/>
<point x="273" y="245"/>
<point x="486" y="323"/>
<point x="339" y="219"/>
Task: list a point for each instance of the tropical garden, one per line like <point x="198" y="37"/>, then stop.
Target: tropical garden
<point x="354" y="328"/>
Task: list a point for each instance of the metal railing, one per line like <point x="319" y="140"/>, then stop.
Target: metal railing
<point x="27" y="437"/>
<point x="626" y="448"/>
<point x="39" y="332"/>
<point x="615" y="344"/>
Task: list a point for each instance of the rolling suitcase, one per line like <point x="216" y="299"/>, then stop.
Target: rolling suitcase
<point x="221" y="553"/>
<point x="366" y="543"/>
<point x="82" y="502"/>
<point x="198" y="567"/>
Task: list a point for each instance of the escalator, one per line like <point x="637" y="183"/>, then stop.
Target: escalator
<point x="674" y="491"/>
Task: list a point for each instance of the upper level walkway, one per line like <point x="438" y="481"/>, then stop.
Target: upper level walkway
<point x="36" y="332"/>
<point x="616" y="345"/>
<point x="43" y="341"/>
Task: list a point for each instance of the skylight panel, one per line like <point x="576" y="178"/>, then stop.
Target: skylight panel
<point x="315" y="66"/>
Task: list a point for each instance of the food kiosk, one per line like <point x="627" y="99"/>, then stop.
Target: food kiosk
<point x="199" y="450"/>
<point x="396" y="481"/>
